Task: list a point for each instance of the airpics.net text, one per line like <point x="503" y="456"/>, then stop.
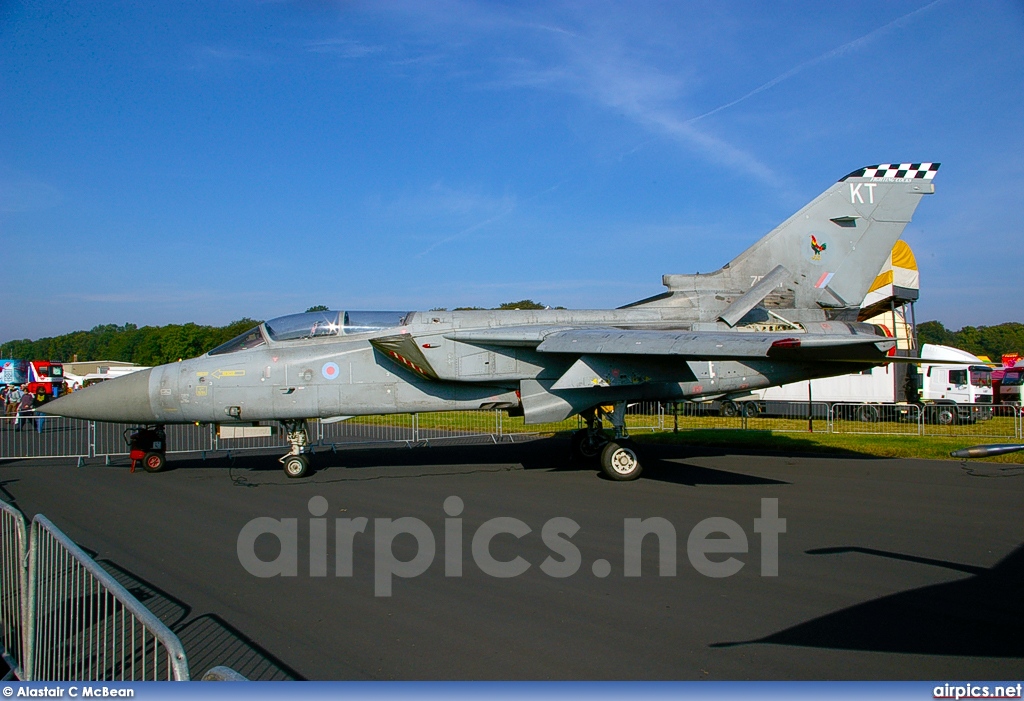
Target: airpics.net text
<point x="715" y="536"/>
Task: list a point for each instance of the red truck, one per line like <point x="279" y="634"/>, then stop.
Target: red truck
<point x="39" y="375"/>
<point x="1008" y="380"/>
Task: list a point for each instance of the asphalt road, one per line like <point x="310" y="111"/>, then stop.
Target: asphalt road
<point x="888" y="569"/>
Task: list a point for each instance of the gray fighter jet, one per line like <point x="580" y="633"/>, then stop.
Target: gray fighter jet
<point x="783" y="310"/>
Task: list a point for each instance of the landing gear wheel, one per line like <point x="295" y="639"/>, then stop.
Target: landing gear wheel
<point x="751" y="410"/>
<point x="296" y="466"/>
<point x="583" y="449"/>
<point x="729" y="409"/>
<point x="619" y="461"/>
<point x="153" y="461"/>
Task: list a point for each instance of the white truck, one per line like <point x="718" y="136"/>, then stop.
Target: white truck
<point x="957" y="390"/>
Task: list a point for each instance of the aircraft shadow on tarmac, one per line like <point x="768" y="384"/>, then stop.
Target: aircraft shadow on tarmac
<point x="664" y="463"/>
<point x="980" y="616"/>
<point x="208" y="639"/>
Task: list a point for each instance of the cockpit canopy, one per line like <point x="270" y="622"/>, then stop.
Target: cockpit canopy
<point x="311" y="325"/>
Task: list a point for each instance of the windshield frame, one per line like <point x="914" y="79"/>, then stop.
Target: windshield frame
<point x="253" y="338"/>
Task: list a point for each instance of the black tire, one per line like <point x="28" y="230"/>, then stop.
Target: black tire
<point x="728" y="409"/>
<point x="296" y="466"/>
<point x="867" y="414"/>
<point x="620" y="462"/>
<point x="582" y="450"/>
<point x="751" y="410"/>
<point x="945" y="416"/>
<point x="153" y="461"/>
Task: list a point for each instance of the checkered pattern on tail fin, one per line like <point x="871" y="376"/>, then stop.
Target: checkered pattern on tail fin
<point x="913" y="171"/>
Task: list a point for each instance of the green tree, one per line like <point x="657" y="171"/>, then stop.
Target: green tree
<point x="319" y="308"/>
<point x="934" y="332"/>
<point x="522" y="304"/>
<point x="991" y="341"/>
<point x="149" y="345"/>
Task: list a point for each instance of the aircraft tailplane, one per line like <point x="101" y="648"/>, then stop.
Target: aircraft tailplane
<point x="831" y="250"/>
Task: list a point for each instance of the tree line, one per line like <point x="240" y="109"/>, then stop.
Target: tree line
<point x="991" y="341"/>
<point x="148" y="345"/>
<point x="154" y="345"/>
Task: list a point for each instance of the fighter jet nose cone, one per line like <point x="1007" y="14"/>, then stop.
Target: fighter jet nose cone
<point x="124" y="399"/>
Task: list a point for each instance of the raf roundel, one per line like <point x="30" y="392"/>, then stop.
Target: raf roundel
<point x="330" y="371"/>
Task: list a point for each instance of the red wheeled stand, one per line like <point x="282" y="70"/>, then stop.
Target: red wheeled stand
<point x="147" y="445"/>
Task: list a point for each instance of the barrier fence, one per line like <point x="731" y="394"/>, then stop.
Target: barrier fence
<point x="13" y="586"/>
<point x="779" y="416"/>
<point x="85" y="625"/>
<point x="889" y="419"/>
<point x="55" y="436"/>
<point x="63" y="617"/>
<point x="999" y="421"/>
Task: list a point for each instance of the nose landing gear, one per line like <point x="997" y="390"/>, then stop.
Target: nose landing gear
<point x="296" y="461"/>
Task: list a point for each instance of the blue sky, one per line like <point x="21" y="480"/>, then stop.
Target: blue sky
<point x="207" y="161"/>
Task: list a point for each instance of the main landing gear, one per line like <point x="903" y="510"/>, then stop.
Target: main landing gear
<point x="296" y="462"/>
<point x="617" y="456"/>
<point x="148" y="446"/>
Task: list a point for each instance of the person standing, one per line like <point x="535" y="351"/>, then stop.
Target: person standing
<point x="13" y="397"/>
<point x="25" y="404"/>
<point x="40" y="399"/>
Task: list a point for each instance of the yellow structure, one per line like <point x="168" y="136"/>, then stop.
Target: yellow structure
<point x="897" y="284"/>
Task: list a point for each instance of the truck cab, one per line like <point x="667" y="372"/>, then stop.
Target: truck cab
<point x="45" y="376"/>
<point x="1010" y="385"/>
<point x="956" y="391"/>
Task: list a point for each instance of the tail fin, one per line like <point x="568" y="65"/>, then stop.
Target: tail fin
<point x="832" y="249"/>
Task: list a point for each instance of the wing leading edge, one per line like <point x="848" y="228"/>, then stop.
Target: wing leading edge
<point x="700" y="345"/>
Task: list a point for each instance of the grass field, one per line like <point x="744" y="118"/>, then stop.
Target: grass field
<point x="463" y="422"/>
<point x="879" y="439"/>
<point x="999" y="429"/>
<point x="930" y="447"/>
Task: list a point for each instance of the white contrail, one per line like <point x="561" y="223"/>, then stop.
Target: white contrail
<point x="490" y="220"/>
<point x="849" y="46"/>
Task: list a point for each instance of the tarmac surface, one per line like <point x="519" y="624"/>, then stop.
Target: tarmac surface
<point x="888" y="569"/>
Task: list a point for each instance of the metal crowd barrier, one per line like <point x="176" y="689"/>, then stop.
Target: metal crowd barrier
<point x="54" y="436"/>
<point x="431" y="427"/>
<point x="384" y="428"/>
<point x="791" y="417"/>
<point x="13" y="585"/>
<point x="65" y="618"/>
<point x="645" y="416"/>
<point x="85" y="625"/>
<point x="887" y="419"/>
<point x="750" y="415"/>
<point x="109" y="439"/>
<point x="223" y="674"/>
<point x="44" y="436"/>
<point x="984" y="421"/>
